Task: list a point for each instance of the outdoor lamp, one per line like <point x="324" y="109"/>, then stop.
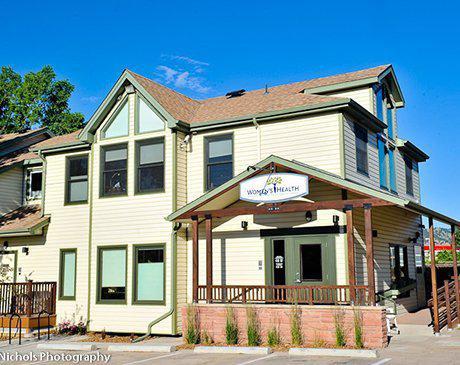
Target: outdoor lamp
<point x="25" y="250"/>
<point x="244" y="224"/>
<point x="5" y="245"/>
<point x="335" y="219"/>
<point x="308" y="216"/>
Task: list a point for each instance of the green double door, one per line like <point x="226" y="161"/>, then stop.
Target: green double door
<point x="300" y="260"/>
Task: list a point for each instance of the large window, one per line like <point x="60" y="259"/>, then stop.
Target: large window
<point x="34" y="184"/>
<point x="311" y="263"/>
<point x="118" y="125"/>
<point x="149" y="274"/>
<point x="219" y="160"/>
<point x="150" y="165"/>
<point x="147" y="119"/>
<point x="361" y="149"/>
<point x="390" y="121"/>
<point x="114" y="162"/>
<point x="67" y="274"/>
<point x="77" y="179"/>
<point x="379" y="103"/>
<point x="409" y="177"/>
<point x="399" y="268"/>
<point x="111" y="274"/>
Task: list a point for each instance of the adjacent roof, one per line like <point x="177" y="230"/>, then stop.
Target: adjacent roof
<point x="231" y="188"/>
<point x="16" y="158"/>
<point x="8" y="137"/>
<point x="23" y="221"/>
<point x="69" y="139"/>
<point x="412" y="150"/>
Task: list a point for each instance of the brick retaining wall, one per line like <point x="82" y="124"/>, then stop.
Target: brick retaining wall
<point x="317" y="323"/>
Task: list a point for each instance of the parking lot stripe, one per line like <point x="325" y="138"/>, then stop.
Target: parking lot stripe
<point x="255" y="360"/>
<point x="383" y="361"/>
<point x="152" y="358"/>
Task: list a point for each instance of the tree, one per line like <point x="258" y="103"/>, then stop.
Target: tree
<point x="36" y="100"/>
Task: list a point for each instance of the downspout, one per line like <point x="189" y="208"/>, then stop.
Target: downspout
<point x="175" y="227"/>
<point x="90" y="232"/>
<point x="40" y="155"/>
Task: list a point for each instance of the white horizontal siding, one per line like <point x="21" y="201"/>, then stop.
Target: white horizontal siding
<point x="363" y="96"/>
<point x="10" y="190"/>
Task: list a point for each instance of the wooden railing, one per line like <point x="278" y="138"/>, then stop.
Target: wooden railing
<point x="447" y="305"/>
<point x="285" y="294"/>
<point x="28" y="298"/>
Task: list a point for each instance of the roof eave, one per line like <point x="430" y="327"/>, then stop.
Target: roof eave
<point x="412" y="150"/>
<point x="400" y="102"/>
<point x="35" y="230"/>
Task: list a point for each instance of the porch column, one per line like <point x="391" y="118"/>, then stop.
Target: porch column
<point x="351" y="253"/>
<point x="195" y="256"/>
<point x="455" y="263"/>
<point x="434" y="287"/>
<point x="209" y="258"/>
<point x="369" y="252"/>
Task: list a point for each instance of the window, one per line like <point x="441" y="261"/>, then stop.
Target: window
<point x="77" y="179"/>
<point x="147" y="119"/>
<point x="118" y="124"/>
<point x="219" y="160"/>
<point x="114" y="163"/>
<point x="150" y="165"/>
<point x="409" y="179"/>
<point x="390" y="121"/>
<point x="382" y="163"/>
<point x="311" y="263"/>
<point x="399" y="268"/>
<point x="391" y="158"/>
<point x="361" y="148"/>
<point x="67" y="274"/>
<point x="111" y="274"/>
<point x="379" y="102"/>
<point x="34" y="184"/>
<point x="149" y="274"/>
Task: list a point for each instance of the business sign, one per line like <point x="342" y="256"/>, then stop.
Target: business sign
<point x="274" y="188"/>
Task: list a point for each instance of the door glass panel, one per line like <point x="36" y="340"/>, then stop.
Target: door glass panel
<point x="279" y="263"/>
<point x="311" y="262"/>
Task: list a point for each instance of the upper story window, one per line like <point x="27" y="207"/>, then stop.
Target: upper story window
<point x="150" y="162"/>
<point x="34" y="179"/>
<point x="77" y="179"/>
<point x="385" y="109"/>
<point x="361" y="140"/>
<point x="147" y="119"/>
<point x="409" y="178"/>
<point x="383" y="156"/>
<point x="390" y="121"/>
<point x="379" y="102"/>
<point x="218" y="160"/>
<point x="114" y="163"/>
<point x="391" y="160"/>
<point x="118" y="125"/>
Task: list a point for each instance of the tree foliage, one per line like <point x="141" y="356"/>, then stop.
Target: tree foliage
<point x="36" y="100"/>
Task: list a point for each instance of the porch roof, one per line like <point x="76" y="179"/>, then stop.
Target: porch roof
<point x="23" y="221"/>
<point x="228" y="193"/>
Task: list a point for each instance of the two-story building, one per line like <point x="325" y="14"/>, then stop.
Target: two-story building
<point x="112" y="213"/>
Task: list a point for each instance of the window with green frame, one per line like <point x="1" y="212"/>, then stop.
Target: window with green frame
<point x="150" y="164"/>
<point x="77" y="179"/>
<point x="114" y="165"/>
<point x="218" y="160"/>
<point x="382" y="162"/>
<point x="118" y="125"/>
<point x="67" y="274"/>
<point x="149" y="274"/>
<point x="111" y="274"/>
<point x="147" y="119"/>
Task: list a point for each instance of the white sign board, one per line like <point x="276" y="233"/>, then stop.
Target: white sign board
<point x="274" y="188"/>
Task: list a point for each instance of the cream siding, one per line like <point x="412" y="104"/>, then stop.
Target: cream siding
<point x="10" y="190"/>
<point x="363" y="96"/>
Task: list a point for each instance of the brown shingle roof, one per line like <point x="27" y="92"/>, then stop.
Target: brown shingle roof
<point x="10" y="136"/>
<point x="279" y="97"/>
<point x="22" y="219"/>
<point x="57" y="141"/>
<point x="17" y="157"/>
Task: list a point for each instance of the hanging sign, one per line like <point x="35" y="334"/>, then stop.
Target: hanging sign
<point x="274" y="188"/>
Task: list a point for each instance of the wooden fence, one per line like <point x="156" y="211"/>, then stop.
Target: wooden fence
<point x="28" y="298"/>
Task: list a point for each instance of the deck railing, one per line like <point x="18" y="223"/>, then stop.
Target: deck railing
<point x="447" y="305"/>
<point x="28" y="298"/>
<point x="285" y="294"/>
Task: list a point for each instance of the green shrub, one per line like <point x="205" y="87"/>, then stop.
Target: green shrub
<point x="192" y="334"/>
<point x="358" y="324"/>
<point x="296" y="328"/>
<point x="206" y="338"/>
<point x="231" y="328"/>
<point x="253" y="328"/>
<point x="273" y="337"/>
<point x="339" y="329"/>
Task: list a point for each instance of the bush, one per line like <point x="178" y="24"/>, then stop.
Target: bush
<point x="231" y="328"/>
<point x="273" y="337"/>
<point x="253" y="328"/>
<point x="192" y="334"/>
<point x="339" y="329"/>
<point x="358" y="324"/>
<point x="206" y="338"/>
<point x="67" y="327"/>
<point x="296" y="328"/>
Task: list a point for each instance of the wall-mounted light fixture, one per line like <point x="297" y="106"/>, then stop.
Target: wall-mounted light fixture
<point x="415" y="238"/>
<point x="5" y="245"/>
<point x="375" y="233"/>
<point x="308" y="216"/>
<point x="25" y="250"/>
<point x="244" y="224"/>
<point x="335" y="220"/>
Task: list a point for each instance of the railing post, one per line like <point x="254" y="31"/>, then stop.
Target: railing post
<point x="209" y="258"/>
<point x="369" y="252"/>
<point x="447" y="295"/>
<point x="434" y="286"/>
<point x="195" y="256"/>
<point x="351" y="253"/>
<point x="29" y="308"/>
<point x="455" y="266"/>
<point x="243" y="295"/>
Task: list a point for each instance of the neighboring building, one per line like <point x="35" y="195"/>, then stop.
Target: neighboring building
<point x="114" y="228"/>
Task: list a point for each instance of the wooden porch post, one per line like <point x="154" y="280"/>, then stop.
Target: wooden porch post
<point x="434" y="287"/>
<point x="209" y="258"/>
<point x="369" y="252"/>
<point x="455" y="263"/>
<point x="351" y="253"/>
<point x="195" y="256"/>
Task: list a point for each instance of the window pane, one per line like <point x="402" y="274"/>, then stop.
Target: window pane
<point x="35" y="185"/>
<point x="151" y="153"/>
<point x="409" y="182"/>
<point x="148" y="119"/>
<point x="390" y="122"/>
<point x="115" y="182"/>
<point x="116" y="158"/>
<point x="219" y="174"/>
<point x="78" y="167"/>
<point x="119" y="125"/>
<point x="361" y="148"/>
<point x="220" y="150"/>
<point x="379" y="103"/>
<point x="382" y="163"/>
<point x="311" y="264"/>
<point x="78" y="191"/>
<point x="150" y="274"/>
<point x="68" y="284"/>
<point x="391" y="158"/>
<point x="113" y="274"/>
<point x="151" y="178"/>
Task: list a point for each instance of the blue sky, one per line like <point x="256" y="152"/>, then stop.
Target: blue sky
<point x="206" y="48"/>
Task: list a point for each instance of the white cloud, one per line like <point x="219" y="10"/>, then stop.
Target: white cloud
<point x="91" y="99"/>
<point x="186" y="59"/>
